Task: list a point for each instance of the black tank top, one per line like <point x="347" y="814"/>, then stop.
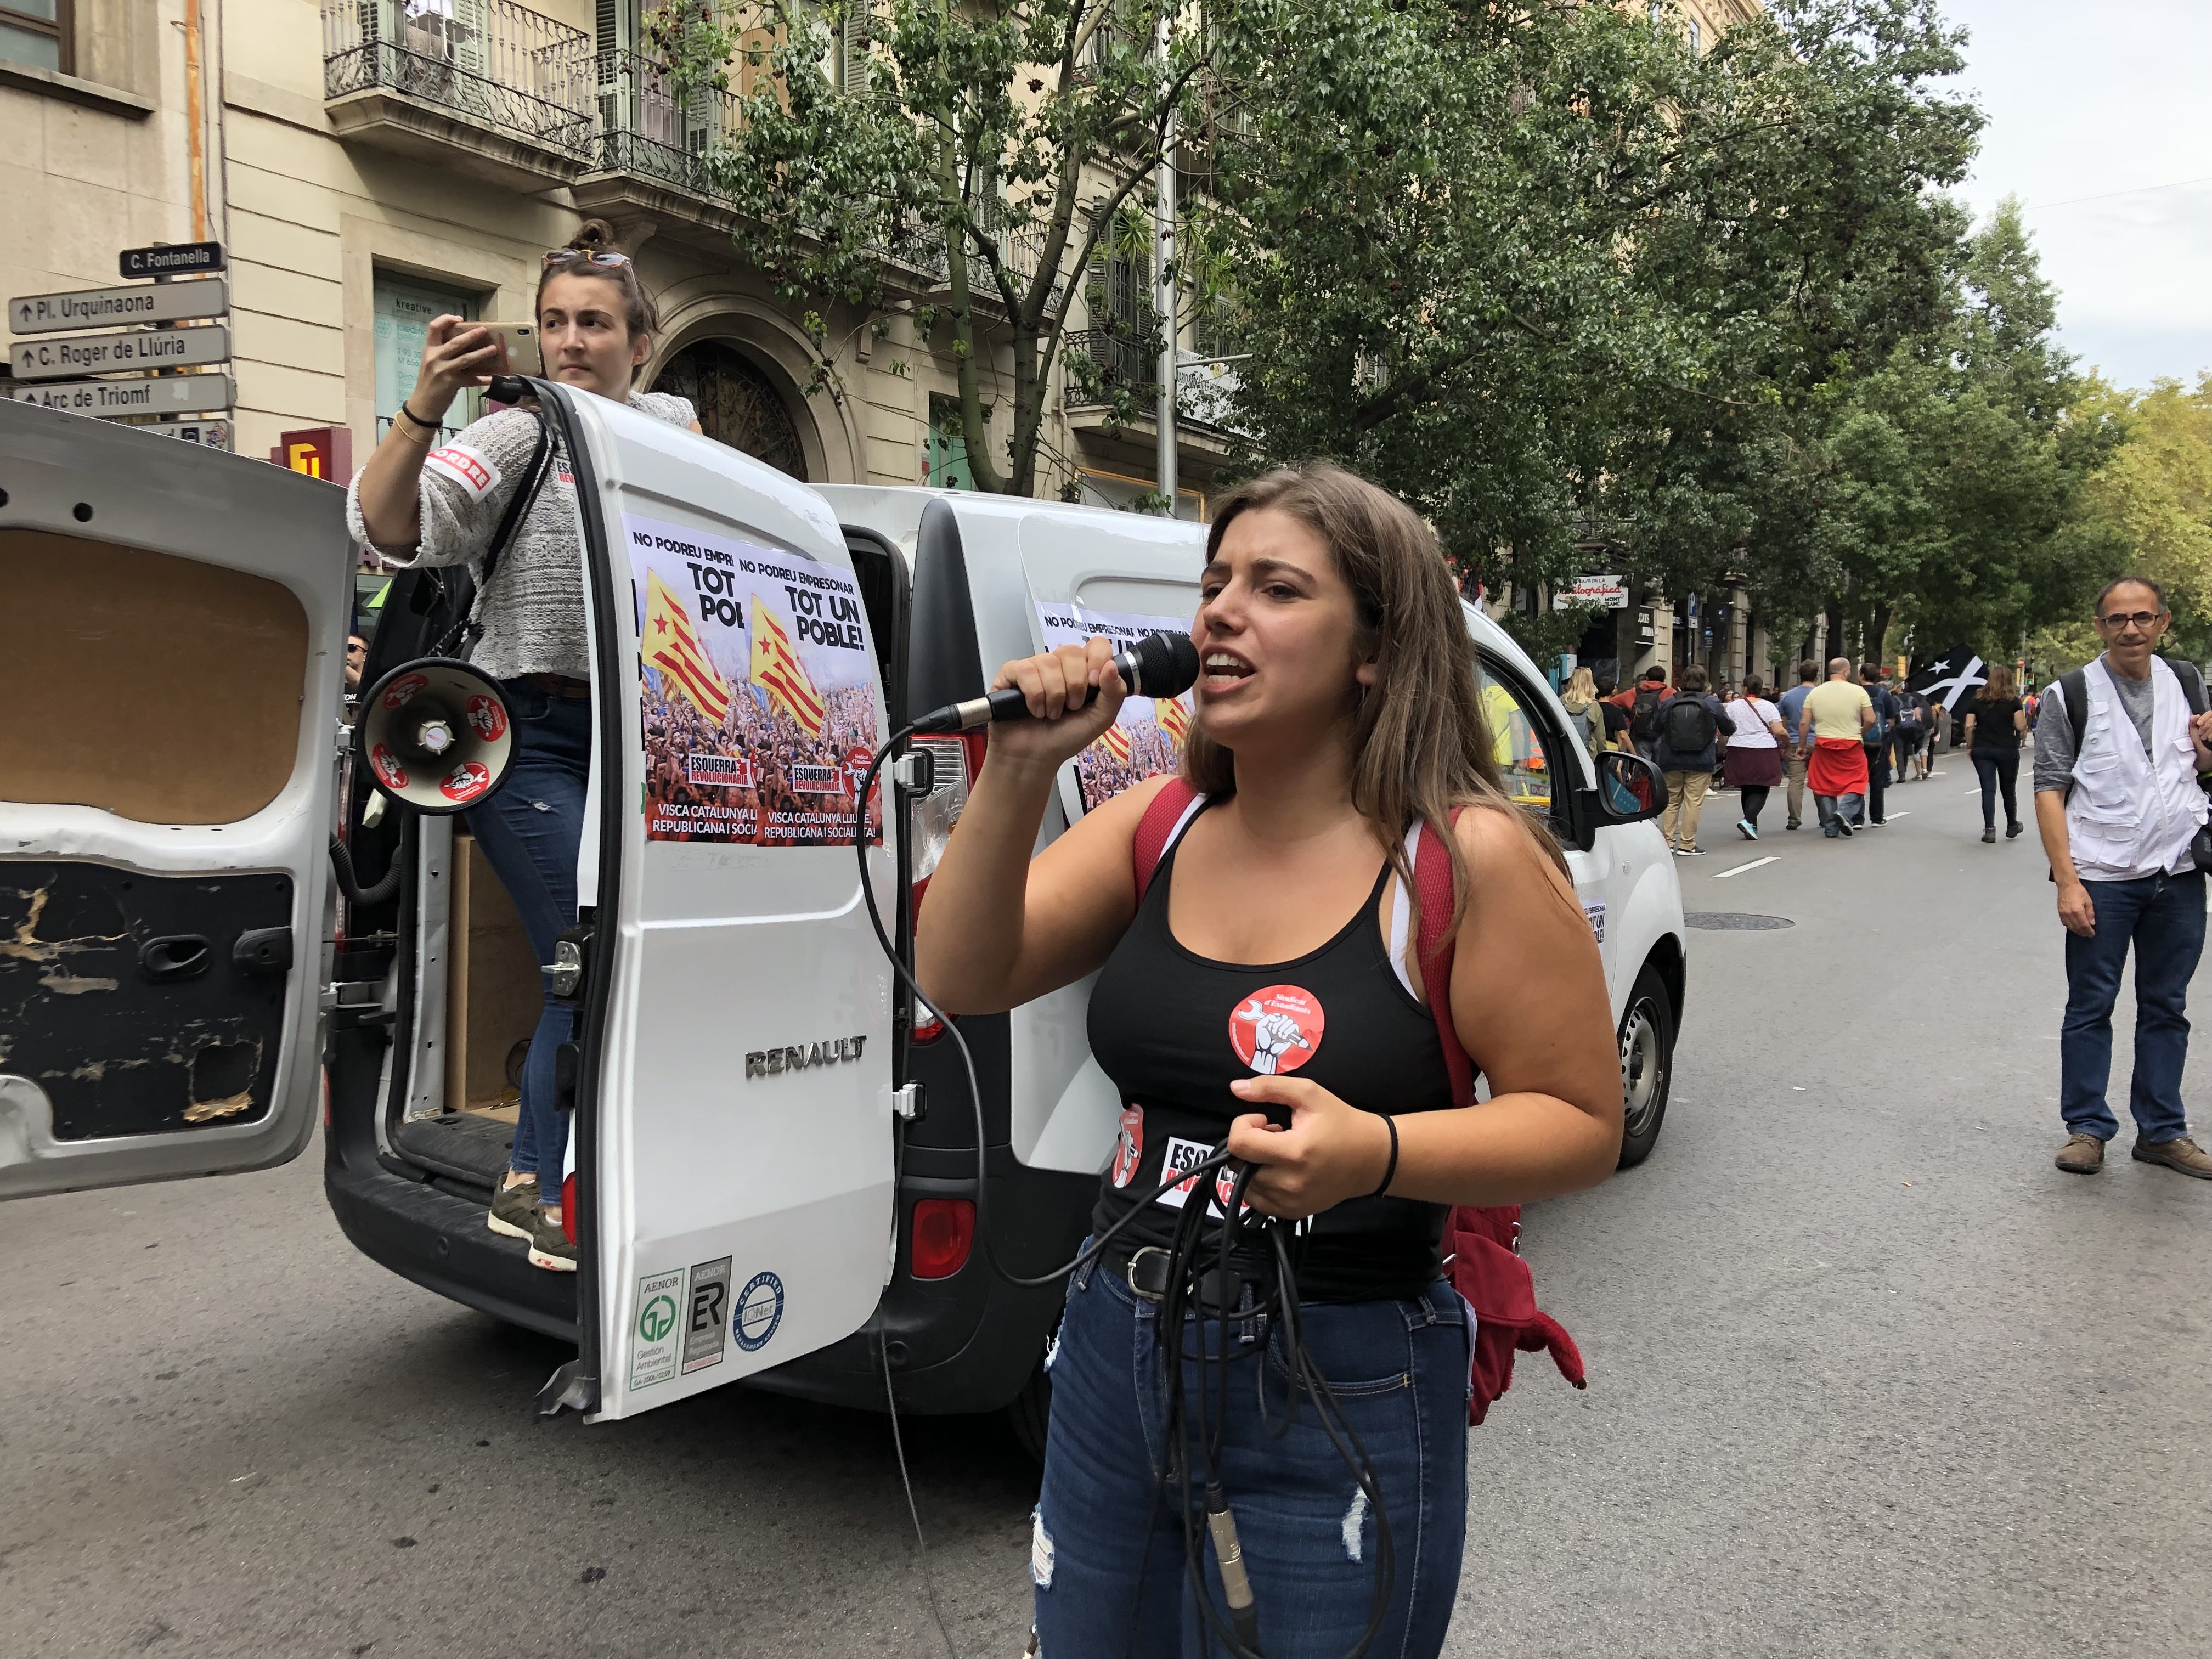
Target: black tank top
<point x="1173" y="1029"/>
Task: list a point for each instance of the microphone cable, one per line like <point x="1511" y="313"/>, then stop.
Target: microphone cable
<point x="1184" y="1296"/>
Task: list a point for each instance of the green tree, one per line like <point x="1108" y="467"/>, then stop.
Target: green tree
<point x="981" y="154"/>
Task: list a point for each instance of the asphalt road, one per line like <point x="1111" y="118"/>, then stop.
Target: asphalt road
<point x="1868" y="1375"/>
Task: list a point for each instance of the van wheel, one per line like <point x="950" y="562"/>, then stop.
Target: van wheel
<point x="1030" y="1412"/>
<point x="1647" y="1066"/>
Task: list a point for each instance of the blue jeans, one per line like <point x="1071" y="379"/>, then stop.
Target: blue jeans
<point x="2164" y="916"/>
<point x="1837" y="810"/>
<point x="1107" y="1551"/>
<point x="530" y="831"/>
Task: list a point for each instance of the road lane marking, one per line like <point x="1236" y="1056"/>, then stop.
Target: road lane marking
<point x="1723" y="875"/>
<point x="1893" y="817"/>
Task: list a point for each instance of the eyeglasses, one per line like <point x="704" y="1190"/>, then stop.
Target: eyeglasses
<point x="562" y="256"/>
<point x="2136" y="618"/>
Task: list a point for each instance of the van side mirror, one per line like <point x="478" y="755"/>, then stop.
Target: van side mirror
<point x="1629" y="788"/>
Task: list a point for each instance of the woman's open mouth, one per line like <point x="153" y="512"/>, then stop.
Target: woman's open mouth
<point x="1224" y="670"/>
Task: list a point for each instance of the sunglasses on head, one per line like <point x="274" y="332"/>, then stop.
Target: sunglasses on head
<point x="561" y="256"/>
<point x="2139" y="619"/>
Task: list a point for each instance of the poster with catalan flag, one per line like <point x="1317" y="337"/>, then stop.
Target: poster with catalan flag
<point x="1147" y="736"/>
<point x="756" y="675"/>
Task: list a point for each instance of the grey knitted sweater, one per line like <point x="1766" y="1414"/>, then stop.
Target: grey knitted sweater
<point x="533" y="612"/>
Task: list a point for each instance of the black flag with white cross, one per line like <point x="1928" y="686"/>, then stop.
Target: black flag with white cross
<point x="1946" y="679"/>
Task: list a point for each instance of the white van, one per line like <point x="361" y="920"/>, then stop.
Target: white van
<point x="775" y="1167"/>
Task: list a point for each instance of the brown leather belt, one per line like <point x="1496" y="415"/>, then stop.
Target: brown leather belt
<point x="559" y="685"/>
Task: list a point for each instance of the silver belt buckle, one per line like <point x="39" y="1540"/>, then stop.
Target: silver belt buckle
<point x="1129" y="1273"/>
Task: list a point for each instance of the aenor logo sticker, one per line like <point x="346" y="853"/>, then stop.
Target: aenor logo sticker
<point x="658" y="1333"/>
<point x="1277" y="1029"/>
<point x="1129" y="1144"/>
<point x="706" y="1327"/>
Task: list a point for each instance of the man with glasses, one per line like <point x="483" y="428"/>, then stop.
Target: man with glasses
<point x="2119" y="804"/>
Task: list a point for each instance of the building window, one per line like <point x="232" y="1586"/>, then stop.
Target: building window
<point x="1697" y="38"/>
<point x="37" y="33"/>
<point x="944" y="446"/>
<point x="1122" y="493"/>
<point x="405" y="309"/>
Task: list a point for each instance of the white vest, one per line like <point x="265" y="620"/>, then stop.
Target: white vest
<point x="2132" y="815"/>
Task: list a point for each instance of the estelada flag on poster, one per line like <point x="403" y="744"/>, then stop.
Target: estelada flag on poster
<point x="758" y="690"/>
<point x="670" y="644"/>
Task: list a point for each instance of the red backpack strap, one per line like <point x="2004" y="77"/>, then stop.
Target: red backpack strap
<point x="1162" y="818"/>
<point x="1432" y="893"/>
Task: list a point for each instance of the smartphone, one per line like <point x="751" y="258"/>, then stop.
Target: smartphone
<point x="522" y="353"/>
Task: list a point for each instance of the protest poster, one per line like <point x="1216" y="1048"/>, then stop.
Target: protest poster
<point x="1147" y="736"/>
<point x="759" y="694"/>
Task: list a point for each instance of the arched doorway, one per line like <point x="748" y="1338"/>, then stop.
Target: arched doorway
<point x="737" y="403"/>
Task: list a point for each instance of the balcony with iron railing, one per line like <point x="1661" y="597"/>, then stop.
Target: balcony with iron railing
<point x="1121" y="360"/>
<point x="488" y="86"/>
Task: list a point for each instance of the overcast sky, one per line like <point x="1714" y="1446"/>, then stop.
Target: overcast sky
<point x="2091" y="100"/>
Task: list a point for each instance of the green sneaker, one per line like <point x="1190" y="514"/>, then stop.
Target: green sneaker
<point x="549" y="1246"/>
<point x="513" y="1208"/>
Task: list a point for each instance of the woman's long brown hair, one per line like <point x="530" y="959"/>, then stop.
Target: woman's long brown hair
<point x="1420" y="745"/>
<point x="1998" y="687"/>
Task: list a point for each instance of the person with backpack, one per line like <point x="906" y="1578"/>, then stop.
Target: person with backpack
<point x="1831" y="726"/>
<point x="1641" y="702"/>
<point x="2123" y="744"/>
<point x="1339" y="792"/>
<point x="1580" y="699"/>
<point x="1905" y="740"/>
<point x="1615" y="735"/>
<point x="1874" y="681"/>
<point x="1685" y="747"/>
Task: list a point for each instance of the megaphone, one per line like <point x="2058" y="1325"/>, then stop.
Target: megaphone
<point x="436" y="736"/>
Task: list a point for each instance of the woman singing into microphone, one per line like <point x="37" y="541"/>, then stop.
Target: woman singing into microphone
<point x="1337" y="710"/>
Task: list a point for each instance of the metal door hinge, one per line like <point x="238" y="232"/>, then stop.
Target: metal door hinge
<point x="907" y="1103"/>
<point x="915" y="772"/>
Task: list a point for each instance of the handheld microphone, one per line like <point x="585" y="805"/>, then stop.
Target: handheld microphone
<point x="1157" y="666"/>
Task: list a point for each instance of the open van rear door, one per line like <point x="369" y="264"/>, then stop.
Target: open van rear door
<point x="172" y="627"/>
<point x="733" y="1132"/>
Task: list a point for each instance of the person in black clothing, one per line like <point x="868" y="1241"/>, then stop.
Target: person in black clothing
<point x="1253" y="995"/>
<point x="1616" y="717"/>
<point x="1996" y="719"/>
<point x="1874" y="677"/>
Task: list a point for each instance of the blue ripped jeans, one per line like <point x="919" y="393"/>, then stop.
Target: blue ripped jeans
<point x="1107" y="1548"/>
<point x="530" y="831"/>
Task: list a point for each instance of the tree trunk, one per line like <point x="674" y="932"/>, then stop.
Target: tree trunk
<point x="1878" y="638"/>
<point x="1835" y="620"/>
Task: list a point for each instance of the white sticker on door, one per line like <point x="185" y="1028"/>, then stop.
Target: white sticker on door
<point x="657" y="1334"/>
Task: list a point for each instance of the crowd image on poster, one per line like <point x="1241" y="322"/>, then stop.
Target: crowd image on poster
<point x="1147" y="736"/>
<point x="759" y="701"/>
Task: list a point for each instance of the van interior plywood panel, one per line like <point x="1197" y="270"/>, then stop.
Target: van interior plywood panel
<point x="160" y="688"/>
<point x="496" y="989"/>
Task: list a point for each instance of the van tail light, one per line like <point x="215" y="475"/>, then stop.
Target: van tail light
<point x="928" y="1027"/>
<point x="568" y="1206"/>
<point x="944" y="1233"/>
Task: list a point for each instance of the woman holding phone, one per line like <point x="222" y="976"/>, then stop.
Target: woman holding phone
<point x="419" y="503"/>
<point x="1338" y="710"/>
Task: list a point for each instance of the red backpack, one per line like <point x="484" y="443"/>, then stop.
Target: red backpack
<point x="1481" y="1244"/>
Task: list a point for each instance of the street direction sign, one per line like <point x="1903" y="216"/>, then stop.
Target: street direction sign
<point x="144" y="394"/>
<point x="102" y="354"/>
<point x="176" y="259"/>
<point x="158" y="302"/>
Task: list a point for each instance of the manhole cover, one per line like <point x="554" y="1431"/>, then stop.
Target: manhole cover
<point x="1735" y="921"/>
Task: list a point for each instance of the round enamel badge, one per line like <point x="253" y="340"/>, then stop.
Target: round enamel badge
<point x="1276" y="1030"/>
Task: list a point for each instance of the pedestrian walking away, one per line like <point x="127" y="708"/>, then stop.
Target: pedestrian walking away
<point x="1754" y="763"/>
<point x="2121" y="814"/>
<point x="1996" y="721"/>
<point x="1687" y="750"/>
<point x="1643" y="704"/>
<point x="1832" y="724"/>
<point x="1616" y="718"/>
<point x="1792" y="704"/>
<point x="1874" y="680"/>
<point x="1584" y="709"/>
